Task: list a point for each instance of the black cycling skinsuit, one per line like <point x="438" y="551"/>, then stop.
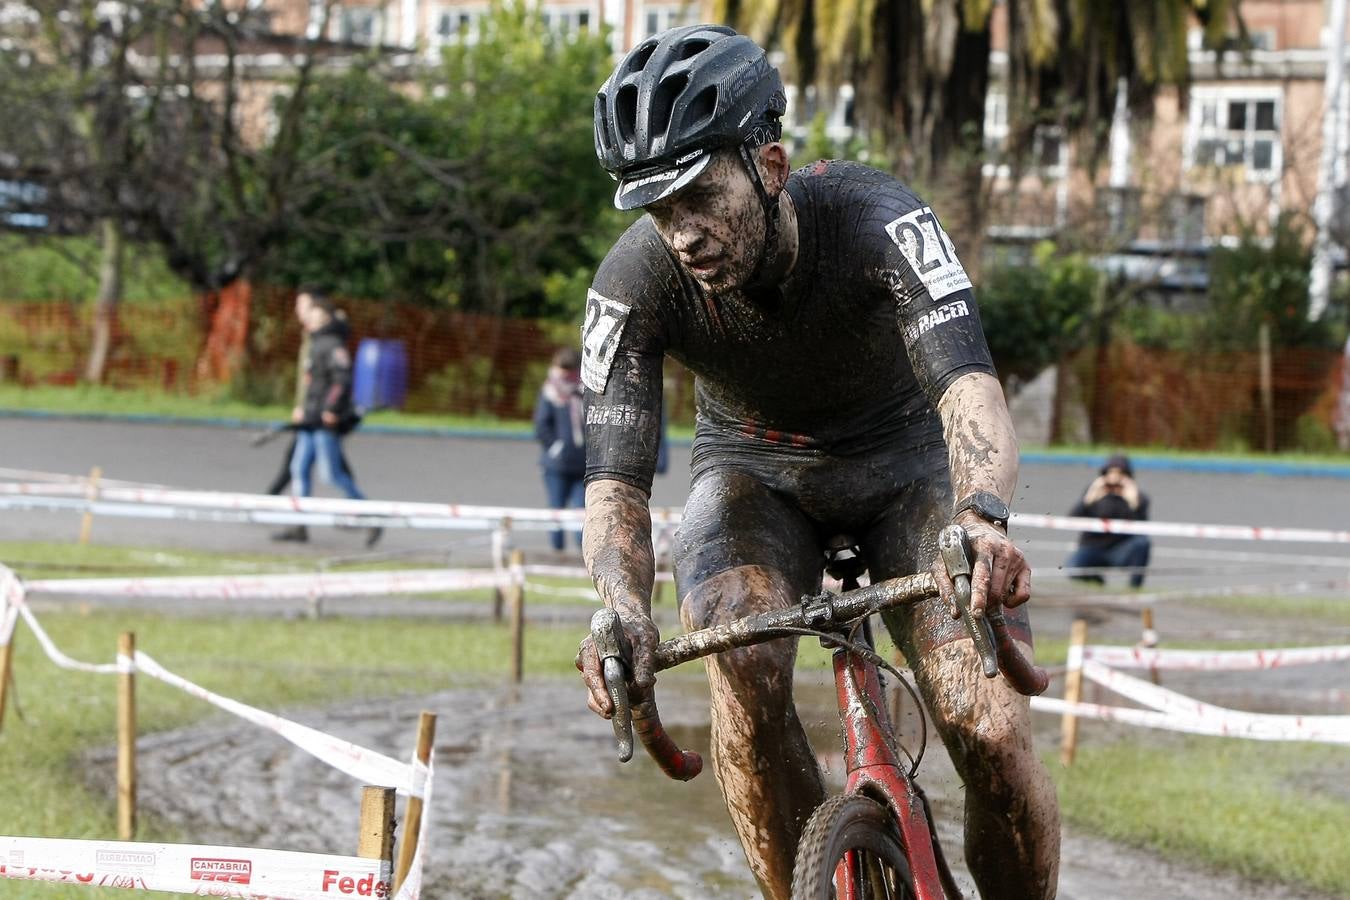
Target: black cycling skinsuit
<point x="816" y="398"/>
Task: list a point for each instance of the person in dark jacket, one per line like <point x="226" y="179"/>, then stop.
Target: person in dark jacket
<point x="325" y="412"/>
<point x="1113" y="494"/>
<point x="559" y="426"/>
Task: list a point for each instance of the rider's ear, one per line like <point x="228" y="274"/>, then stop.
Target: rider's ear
<point x="774" y="167"/>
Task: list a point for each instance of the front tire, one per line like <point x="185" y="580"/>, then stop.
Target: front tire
<point x="851" y="832"/>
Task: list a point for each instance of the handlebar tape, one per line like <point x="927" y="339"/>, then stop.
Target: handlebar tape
<point x="681" y="765"/>
<point x="1026" y="678"/>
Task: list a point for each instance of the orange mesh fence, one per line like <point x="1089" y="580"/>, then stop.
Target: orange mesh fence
<point x="473" y="364"/>
<point x="1137" y="396"/>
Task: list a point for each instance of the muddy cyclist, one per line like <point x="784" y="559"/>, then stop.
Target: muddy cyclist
<point x="843" y="384"/>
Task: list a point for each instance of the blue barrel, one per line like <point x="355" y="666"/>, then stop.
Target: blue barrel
<point x="380" y="377"/>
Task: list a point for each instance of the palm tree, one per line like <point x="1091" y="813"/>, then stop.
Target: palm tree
<point x="921" y="69"/>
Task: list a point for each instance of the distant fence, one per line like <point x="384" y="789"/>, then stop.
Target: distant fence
<point x="476" y="364"/>
<point x="1137" y="396"/>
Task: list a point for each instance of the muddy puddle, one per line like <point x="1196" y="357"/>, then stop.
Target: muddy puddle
<point x="530" y="801"/>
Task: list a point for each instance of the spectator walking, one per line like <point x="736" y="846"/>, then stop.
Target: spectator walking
<point x="326" y="412"/>
<point x="1113" y="494"/>
<point x="282" y="480"/>
<point x="560" y="429"/>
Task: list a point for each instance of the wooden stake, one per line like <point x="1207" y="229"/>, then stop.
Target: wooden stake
<point x="412" y="816"/>
<point x="126" y="740"/>
<point x="1149" y="638"/>
<point x="6" y="671"/>
<point x="87" y="522"/>
<point x="517" y="591"/>
<point x="1073" y="691"/>
<point x="501" y="539"/>
<point x="377" y="824"/>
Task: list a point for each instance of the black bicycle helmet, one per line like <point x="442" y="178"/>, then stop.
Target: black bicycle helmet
<point x="677" y="97"/>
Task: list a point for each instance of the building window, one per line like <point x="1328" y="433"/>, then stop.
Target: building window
<point x="658" y="17"/>
<point x="360" y="25"/>
<point x="567" y="19"/>
<point x="456" y="25"/>
<point x="1047" y="142"/>
<point x="1236" y="130"/>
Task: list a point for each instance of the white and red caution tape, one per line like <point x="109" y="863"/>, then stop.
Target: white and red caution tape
<point x="366" y="766"/>
<point x="195" y="869"/>
<point x="1212" y="660"/>
<point x="279" y="586"/>
<point x="411" y="888"/>
<point x="1182" y="529"/>
<point x="122" y="499"/>
<point x="1173" y="711"/>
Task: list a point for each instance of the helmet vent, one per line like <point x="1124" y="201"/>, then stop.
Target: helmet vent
<point x="638" y="61"/>
<point x="700" y="110"/>
<point x="663" y="101"/>
<point x="625" y="111"/>
<point x="693" y="48"/>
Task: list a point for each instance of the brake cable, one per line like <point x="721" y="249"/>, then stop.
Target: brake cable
<point x="868" y="653"/>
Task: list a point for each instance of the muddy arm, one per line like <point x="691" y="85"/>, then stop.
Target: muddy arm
<point x="981" y="443"/>
<point x="617" y="546"/>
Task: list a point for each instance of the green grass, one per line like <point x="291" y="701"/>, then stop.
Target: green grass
<point x="1305" y="610"/>
<point x="1276" y="812"/>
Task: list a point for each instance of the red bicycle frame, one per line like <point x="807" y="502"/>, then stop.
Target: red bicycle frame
<point x="875" y="771"/>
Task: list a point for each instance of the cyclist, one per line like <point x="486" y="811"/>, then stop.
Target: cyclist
<point x="843" y="385"/>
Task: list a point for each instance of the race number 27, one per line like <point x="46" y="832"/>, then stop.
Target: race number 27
<point x="930" y="252"/>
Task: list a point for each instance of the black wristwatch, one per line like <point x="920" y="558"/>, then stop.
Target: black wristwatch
<point x="987" y="506"/>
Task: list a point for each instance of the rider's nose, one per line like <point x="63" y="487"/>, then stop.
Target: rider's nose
<point x="686" y="238"/>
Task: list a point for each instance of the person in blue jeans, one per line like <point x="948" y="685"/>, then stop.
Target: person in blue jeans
<point x="560" y="428"/>
<point x="326" y="411"/>
<point x="1113" y="494"/>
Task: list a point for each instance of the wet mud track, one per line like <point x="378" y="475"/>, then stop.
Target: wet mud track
<point x="530" y="801"/>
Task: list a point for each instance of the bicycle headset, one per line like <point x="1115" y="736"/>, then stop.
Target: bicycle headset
<point x="677" y="98"/>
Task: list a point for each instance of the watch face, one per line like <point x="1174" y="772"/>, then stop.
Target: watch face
<point x="987" y="506"/>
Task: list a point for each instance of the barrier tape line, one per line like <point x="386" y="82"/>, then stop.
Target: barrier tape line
<point x="175" y="503"/>
<point x="553" y="571"/>
<point x="411" y="779"/>
<point x="54" y="653"/>
<point x="262" y="517"/>
<point x="1333" y="729"/>
<point x="396" y="509"/>
<point x="1181" y="529"/>
<point x="196" y="869"/>
<point x="1215" y="727"/>
<point x="278" y="586"/>
<point x="359" y="762"/>
<point x="411" y="888"/>
<point x="1212" y="660"/>
<point x="364" y="765"/>
<point x="1258" y="589"/>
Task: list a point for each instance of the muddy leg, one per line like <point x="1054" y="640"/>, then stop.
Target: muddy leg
<point x="1012" y="815"/>
<point x="768" y="774"/>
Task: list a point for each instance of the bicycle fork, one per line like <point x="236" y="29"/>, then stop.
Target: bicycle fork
<point x="874" y="770"/>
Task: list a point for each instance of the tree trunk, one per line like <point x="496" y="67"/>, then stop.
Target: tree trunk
<point x="110" y="265"/>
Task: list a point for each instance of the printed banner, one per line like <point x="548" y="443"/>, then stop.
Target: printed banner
<point x="194" y="869"/>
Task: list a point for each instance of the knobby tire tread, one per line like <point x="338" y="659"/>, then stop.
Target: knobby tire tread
<point x="841" y="823"/>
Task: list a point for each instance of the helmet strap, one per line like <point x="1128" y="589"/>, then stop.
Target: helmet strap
<point x="770" y="205"/>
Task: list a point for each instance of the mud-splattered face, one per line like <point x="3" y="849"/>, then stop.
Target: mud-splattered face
<point x="715" y="226"/>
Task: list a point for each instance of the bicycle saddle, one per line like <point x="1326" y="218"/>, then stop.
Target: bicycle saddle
<point x="844" y="558"/>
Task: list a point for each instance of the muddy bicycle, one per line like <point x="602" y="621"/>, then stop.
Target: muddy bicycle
<point x="877" y="839"/>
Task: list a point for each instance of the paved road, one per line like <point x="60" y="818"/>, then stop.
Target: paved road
<point x="504" y="471"/>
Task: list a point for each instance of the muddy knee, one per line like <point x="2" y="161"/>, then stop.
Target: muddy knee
<point x="983" y="721"/>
